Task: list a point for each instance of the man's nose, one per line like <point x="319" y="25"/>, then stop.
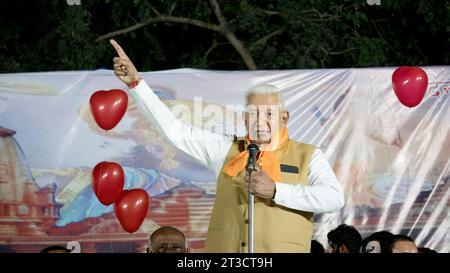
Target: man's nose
<point x="261" y="120"/>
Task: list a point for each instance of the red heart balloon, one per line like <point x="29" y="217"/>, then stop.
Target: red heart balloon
<point x="410" y="85"/>
<point x="108" y="107"/>
<point x="108" y="179"/>
<point x="131" y="208"/>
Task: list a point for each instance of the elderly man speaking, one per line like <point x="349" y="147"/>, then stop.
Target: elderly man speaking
<point x="292" y="180"/>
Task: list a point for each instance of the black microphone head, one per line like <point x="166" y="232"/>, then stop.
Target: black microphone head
<point x="253" y="146"/>
<point x="252" y="149"/>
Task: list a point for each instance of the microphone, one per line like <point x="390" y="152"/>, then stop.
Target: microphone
<point x="253" y="150"/>
<point x="252" y="153"/>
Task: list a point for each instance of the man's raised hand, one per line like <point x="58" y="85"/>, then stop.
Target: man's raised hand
<point x="124" y="69"/>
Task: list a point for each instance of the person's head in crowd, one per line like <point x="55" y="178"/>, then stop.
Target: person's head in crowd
<point x="317" y="247"/>
<point x="426" y="250"/>
<point x="377" y="242"/>
<point x="167" y="240"/>
<point x="55" y="249"/>
<point x="344" y="239"/>
<point x="402" y="244"/>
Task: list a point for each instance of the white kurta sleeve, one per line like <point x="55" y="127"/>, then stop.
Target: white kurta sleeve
<point x="322" y="194"/>
<point x="207" y="148"/>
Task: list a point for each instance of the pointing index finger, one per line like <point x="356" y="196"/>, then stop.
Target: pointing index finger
<point x="118" y="48"/>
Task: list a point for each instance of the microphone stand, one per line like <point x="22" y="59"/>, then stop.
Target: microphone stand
<point x="251" y="202"/>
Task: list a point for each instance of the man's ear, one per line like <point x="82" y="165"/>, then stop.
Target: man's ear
<point x="285" y="116"/>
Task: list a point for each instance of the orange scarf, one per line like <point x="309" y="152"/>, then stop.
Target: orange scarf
<point x="267" y="159"/>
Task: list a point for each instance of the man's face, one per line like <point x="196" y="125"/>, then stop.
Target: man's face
<point x="168" y="242"/>
<point x="404" y="247"/>
<point x="264" y="118"/>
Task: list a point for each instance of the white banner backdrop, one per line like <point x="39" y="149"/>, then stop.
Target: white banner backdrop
<point x="393" y="161"/>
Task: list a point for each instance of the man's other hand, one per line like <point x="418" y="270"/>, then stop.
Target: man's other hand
<point x="261" y="184"/>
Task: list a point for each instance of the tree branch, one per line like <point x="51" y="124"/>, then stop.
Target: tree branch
<point x="218" y="12"/>
<point x="342" y="51"/>
<point x="237" y="44"/>
<point x="270" y="12"/>
<point x="210" y="49"/>
<point x="322" y="16"/>
<point x="222" y="28"/>
<point x="264" y="39"/>
<point x="324" y="19"/>
<point x="338" y="52"/>
<point x="156" y="11"/>
<point x="162" y="18"/>
<point x="172" y="8"/>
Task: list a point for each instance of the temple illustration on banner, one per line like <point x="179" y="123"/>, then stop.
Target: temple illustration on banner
<point x="28" y="214"/>
<point x="24" y="208"/>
